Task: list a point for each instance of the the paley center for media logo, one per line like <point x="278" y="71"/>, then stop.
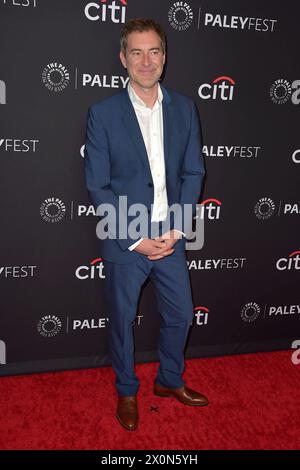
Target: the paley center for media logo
<point x="55" y="77"/>
<point x="264" y="208"/>
<point x="49" y="326"/>
<point x="52" y="210"/>
<point x="250" y="312"/>
<point x="282" y="91"/>
<point x="180" y="15"/>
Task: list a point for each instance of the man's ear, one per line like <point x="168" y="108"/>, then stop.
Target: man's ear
<point x="123" y="59"/>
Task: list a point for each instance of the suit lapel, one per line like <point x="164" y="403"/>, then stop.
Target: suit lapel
<point x="168" y="112"/>
<point x="132" y="125"/>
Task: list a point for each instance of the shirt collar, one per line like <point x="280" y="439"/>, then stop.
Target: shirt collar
<point x="136" y="100"/>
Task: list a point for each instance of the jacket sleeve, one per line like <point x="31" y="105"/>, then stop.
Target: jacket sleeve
<point x="192" y="174"/>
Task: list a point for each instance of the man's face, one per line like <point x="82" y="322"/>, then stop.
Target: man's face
<point x="144" y="58"/>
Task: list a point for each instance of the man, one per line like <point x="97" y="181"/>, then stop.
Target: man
<point x="144" y="143"/>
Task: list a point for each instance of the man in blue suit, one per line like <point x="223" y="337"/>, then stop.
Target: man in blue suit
<point x="144" y="144"/>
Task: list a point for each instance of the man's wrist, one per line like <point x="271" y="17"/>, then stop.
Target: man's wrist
<point x="134" y="245"/>
<point x="179" y="231"/>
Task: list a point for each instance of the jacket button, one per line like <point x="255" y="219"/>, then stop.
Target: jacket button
<point x="150" y="185"/>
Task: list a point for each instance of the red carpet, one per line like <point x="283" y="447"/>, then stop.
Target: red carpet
<point x="254" y="405"/>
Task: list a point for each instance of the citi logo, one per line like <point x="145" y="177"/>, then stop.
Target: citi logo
<point x="296" y="156"/>
<point x="93" y="271"/>
<point x="282" y="91"/>
<point x="221" y="88"/>
<point x="209" y="208"/>
<point x="105" y="10"/>
<point x="201" y="315"/>
<point x="289" y="263"/>
<point x="2" y="92"/>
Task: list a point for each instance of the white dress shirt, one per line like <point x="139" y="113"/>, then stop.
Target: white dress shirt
<point x="151" y="125"/>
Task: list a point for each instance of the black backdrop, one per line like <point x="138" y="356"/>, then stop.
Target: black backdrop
<point x="239" y="61"/>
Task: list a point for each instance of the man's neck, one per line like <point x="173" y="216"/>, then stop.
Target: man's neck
<point x="148" y="95"/>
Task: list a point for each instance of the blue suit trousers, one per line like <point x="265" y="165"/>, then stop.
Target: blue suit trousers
<point x="171" y="282"/>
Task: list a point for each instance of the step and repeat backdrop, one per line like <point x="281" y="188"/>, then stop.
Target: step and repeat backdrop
<point x="239" y="61"/>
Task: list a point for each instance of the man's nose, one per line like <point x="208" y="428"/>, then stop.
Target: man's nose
<point x="146" y="59"/>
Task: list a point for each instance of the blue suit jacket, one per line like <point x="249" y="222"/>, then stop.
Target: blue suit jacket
<point x="116" y="161"/>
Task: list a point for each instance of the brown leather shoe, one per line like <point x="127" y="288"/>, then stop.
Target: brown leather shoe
<point x="185" y="395"/>
<point x="127" y="412"/>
